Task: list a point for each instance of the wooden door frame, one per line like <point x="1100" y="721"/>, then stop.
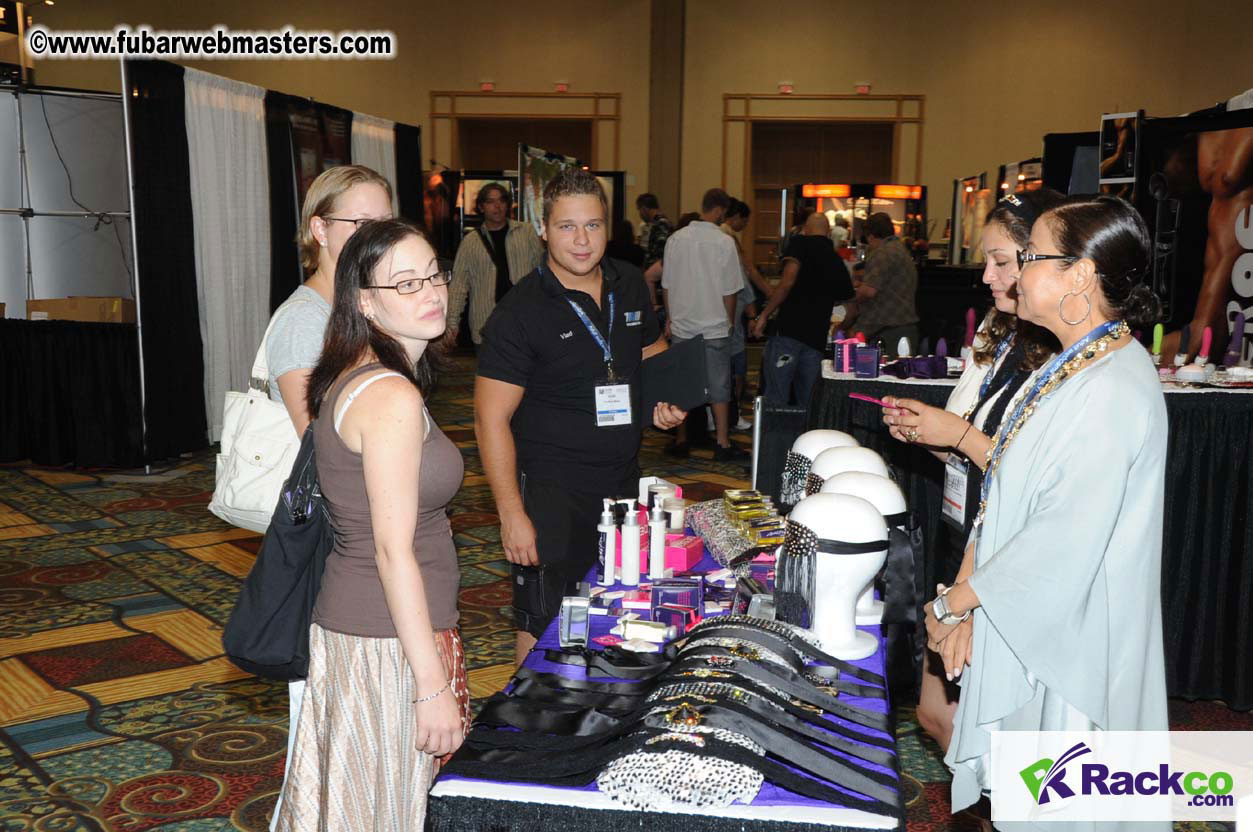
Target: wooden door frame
<point x="736" y="101"/>
<point x="594" y="107"/>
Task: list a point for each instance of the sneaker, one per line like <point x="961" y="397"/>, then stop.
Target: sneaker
<point x="678" y="449"/>
<point x="743" y="424"/>
<point x="730" y="453"/>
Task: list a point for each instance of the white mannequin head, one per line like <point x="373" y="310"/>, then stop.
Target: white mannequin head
<point x="884" y="495"/>
<point x="813" y="442"/>
<point x="835" y="461"/>
<point x="841" y="578"/>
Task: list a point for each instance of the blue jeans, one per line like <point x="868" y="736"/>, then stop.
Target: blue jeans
<point x="787" y="366"/>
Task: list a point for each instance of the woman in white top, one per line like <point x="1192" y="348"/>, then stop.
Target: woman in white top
<point x="338" y="201"/>
<point x="1066" y="586"/>
<point x="1007" y="351"/>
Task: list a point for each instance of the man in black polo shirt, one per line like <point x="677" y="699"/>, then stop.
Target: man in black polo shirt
<point x="814" y="280"/>
<point x="557" y="400"/>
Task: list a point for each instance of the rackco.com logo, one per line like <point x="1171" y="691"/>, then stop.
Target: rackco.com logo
<point x="1046" y="780"/>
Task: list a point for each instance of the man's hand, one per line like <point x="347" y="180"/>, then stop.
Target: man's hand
<point x="758" y="327"/>
<point x="666" y="416"/>
<point x="517" y="535"/>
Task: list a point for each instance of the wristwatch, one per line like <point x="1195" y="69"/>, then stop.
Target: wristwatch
<point x="939" y="607"/>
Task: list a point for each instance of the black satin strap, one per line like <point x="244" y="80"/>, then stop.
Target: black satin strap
<point x="765" y="638"/>
<point x="612" y="662"/>
<point x="799" y="754"/>
<point x="900" y="600"/>
<point x="546" y="717"/>
<point x="804" y="690"/>
<point x="793" y="673"/>
<point x="839" y="547"/>
<point x="554" y="680"/>
<point x="894" y="520"/>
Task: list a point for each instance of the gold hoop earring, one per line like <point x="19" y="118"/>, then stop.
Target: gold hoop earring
<point x="1061" y="313"/>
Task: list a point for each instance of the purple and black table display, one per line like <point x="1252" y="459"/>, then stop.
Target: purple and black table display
<point x="851" y="741"/>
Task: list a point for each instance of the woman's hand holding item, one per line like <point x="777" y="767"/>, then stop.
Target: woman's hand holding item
<point x="909" y="420"/>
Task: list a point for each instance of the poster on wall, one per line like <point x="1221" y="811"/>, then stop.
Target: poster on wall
<point x="536" y="168"/>
<point x="321" y="139"/>
<point x="1196" y="195"/>
<point x="972" y="200"/>
<point x="1120" y="134"/>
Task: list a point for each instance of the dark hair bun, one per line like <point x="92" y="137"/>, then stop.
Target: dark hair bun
<point x="1142" y="308"/>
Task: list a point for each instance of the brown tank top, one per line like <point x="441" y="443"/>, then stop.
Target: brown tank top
<point x="351" y="599"/>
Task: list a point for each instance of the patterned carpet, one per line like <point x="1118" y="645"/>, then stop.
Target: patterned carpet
<point x="117" y="709"/>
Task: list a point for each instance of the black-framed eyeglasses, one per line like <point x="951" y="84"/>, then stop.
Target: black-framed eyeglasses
<point x="357" y="223"/>
<point x="414" y="284"/>
<point x="1030" y="257"/>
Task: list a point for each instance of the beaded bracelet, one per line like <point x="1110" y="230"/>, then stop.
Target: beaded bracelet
<point x="431" y="696"/>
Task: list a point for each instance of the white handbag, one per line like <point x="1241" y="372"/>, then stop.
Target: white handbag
<point x="259" y="445"/>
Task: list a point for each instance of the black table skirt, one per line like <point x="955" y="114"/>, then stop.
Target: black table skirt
<point x="69" y="393"/>
<point x="1207" y="554"/>
<point x="455" y="814"/>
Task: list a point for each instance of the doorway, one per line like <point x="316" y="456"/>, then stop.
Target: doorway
<point x="492" y="143"/>
<point x="785" y="153"/>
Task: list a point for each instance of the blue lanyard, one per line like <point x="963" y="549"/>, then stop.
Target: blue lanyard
<point x="987" y="380"/>
<point x="595" y="333"/>
<point x="1056" y="364"/>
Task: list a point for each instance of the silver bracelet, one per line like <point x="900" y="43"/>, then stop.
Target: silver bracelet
<point x="431" y="696"/>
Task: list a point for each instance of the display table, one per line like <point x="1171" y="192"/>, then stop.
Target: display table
<point x="458" y="803"/>
<point x="1207" y="554"/>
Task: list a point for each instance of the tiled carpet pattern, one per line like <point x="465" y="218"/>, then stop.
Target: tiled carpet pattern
<point x="117" y="708"/>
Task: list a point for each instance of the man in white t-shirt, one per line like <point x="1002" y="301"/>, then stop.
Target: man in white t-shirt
<point x="699" y="283"/>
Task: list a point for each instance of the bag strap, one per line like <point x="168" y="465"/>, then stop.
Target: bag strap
<point x="339" y="417"/>
<point x="259" y="376"/>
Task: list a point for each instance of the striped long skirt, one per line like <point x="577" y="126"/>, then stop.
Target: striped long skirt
<point x="354" y="767"/>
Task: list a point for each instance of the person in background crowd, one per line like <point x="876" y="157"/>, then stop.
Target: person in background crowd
<point x="1066" y="585"/>
<point x="557" y="400"/>
<point x="337" y="202"/>
<point x="659" y="228"/>
<point x="701" y="277"/>
<point x="839" y="231"/>
<point x="886" y="290"/>
<point x="745" y="304"/>
<point x="623" y="247"/>
<point x="814" y="280"/>
<point x="734" y="224"/>
<point x="387" y="693"/>
<point x="490" y="260"/>
<point x="1007" y="352"/>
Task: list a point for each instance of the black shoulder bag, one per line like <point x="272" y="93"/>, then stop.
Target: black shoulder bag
<point x="268" y="631"/>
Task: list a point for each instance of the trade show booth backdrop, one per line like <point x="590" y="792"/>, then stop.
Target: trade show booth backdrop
<point x="218" y="170"/>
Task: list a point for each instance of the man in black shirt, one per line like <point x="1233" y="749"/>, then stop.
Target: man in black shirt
<point x="557" y="400"/>
<point x="814" y="280"/>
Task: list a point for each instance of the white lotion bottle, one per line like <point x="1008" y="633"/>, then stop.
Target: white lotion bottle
<point x="631" y="549"/>
<point x="607" y="543"/>
<point x="657" y="543"/>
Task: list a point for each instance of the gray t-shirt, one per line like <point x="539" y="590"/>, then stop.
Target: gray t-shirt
<point x="296" y="338"/>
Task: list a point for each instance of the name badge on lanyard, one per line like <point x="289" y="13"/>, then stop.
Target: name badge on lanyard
<point x="956" y="472"/>
<point x="612" y="396"/>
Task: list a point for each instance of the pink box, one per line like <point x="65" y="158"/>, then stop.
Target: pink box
<point x="683" y="552"/>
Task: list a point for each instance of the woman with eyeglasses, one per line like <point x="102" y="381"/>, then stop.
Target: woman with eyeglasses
<point x="1007" y="351"/>
<point x="338" y="201"/>
<point x="1065" y="593"/>
<point x="387" y="693"/>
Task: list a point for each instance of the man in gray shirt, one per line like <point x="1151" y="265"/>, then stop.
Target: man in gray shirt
<point x="885" y="294"/>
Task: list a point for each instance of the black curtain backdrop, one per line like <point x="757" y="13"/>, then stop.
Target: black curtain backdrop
<point x="70" y="393"/>
<point x="1207" y="548"/>
<point x="285" y="273"/>
<point x="409" y="173"/>
<point x="170" y="318"/>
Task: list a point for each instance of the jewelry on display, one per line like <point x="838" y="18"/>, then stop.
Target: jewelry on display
<point x="430" y="696"/>
<point x="1069" y="362"/>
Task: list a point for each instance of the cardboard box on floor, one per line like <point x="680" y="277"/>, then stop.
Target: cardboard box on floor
<point x="93" y="310"/>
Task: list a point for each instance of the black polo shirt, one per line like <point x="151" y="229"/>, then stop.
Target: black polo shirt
<point x="534" y="339"/>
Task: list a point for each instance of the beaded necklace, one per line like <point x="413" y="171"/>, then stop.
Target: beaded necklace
<point x="1059" y="369"/>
